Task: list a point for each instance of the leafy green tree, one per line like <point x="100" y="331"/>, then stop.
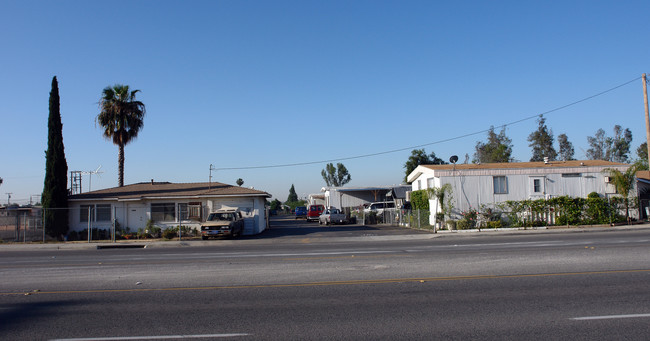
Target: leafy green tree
<point x="498" y="148"/>
<point x="624" y="183"/>
<point x="566" y="148"/>
<point x="541" y="141"/>
<point x="293" y="197"/>
<point x="121" y="117"/>
<point x="420" y="157"/>
<point x="335" y="177"/>
<point x="55" y="191"/>
<point x="240" y="182"/>
<point x="276" y="205"/>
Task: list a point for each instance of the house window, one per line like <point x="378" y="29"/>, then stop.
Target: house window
<point x="500" y="184"/>
<point x="571" y="175"/>
<point x="430" y="183"/>
<point x="419" y="185"/>
<point x="83" y="213"/>
<point x="103" y="212"/>
<point x="191" y="211"/>
<point x="163" y="212"/>
<point x="194" y="211"/>
<point x="537" y="185"/>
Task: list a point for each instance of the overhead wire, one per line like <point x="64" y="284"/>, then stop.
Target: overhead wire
<point x="435" y="142"/>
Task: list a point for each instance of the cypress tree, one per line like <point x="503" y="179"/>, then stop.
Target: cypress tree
<point x="55" y="191"/>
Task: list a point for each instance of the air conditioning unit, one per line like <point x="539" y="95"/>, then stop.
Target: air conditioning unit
<point x="608" y="179"/>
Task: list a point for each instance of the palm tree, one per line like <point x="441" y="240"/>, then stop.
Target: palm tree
<point x="624" y="183"/>
<point x="121" y="117"/>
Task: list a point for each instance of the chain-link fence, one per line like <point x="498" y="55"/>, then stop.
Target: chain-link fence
<point x="418" y="219"/>
<point x="22" y="227"/>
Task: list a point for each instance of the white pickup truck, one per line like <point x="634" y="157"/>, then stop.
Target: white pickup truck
<point x="332" y="216"/>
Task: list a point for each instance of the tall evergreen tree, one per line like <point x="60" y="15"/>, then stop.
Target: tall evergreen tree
<point x="55" y="191"/>
<point x="541" y="141"/>
<point x="293" y="197"/>
<point x="566" y="148"/>
<point x="498" y="148"/>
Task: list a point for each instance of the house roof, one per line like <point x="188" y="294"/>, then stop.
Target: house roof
<point x="539" y="164"/>
<point x="645" y="175"/>
<point x="540" y="167"/>
<point x="158" y="190"/>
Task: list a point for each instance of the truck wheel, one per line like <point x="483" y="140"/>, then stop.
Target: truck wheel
<point x="204" y="237"/>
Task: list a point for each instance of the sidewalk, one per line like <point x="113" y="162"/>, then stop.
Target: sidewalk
<point x="159" y="243"/>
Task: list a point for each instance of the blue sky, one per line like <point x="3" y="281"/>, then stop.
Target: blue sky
<point x="253" y="83"/>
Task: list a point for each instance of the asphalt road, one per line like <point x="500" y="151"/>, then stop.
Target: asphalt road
<point x="336" y="285"/>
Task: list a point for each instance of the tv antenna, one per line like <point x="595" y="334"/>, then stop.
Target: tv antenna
<point x="75" y="179"/>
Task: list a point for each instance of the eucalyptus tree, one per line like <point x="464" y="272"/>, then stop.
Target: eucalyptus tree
<point x="121" y="117"/>
<point x="335" y="176"/>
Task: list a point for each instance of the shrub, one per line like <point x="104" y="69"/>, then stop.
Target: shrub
<point x="464" y="224"/>
<point x="73" y="235"/>
<point x="494" y="224"/>
<point x="170" y="233"/>
<point x="420" y="200"/>
<point x="593" y="195"/>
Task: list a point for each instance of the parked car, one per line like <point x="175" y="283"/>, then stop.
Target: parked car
<point x="301" y="212"/>
<point x="379" y="207"/>
<point x="226" y="222"/>
<point x="332" y="216"/>
<point x="314" y="211"/>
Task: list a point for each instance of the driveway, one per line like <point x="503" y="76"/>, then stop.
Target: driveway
<point x="289" y="227"/>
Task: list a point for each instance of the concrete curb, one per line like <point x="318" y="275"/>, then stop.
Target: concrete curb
<point x="139" y="244"/>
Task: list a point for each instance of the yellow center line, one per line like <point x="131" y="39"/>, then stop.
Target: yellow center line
<point x="330" y="283"/>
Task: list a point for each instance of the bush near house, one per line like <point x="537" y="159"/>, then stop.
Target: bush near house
<point x="420" y="200"/>
<point x="565" y="210"/>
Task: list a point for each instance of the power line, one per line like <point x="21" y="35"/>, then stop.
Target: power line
<point x="435" y="142"/>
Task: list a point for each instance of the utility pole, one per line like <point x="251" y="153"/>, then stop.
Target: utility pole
<point x="210" y="179"/>
<point x="647" y="117"/>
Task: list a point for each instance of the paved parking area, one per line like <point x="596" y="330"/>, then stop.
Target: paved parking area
<point x="289" y="227"/>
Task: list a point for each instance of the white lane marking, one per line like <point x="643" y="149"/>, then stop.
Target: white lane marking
<point x="607" y="317"/>
<point x="159" y="337"/>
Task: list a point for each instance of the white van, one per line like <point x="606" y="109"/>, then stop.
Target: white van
<point x="379" y="207"/>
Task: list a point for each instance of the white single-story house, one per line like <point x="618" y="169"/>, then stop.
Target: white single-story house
<point x="166" y="205"/>
<point x="474" y="185"/>
<point x="352" y="197"/>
